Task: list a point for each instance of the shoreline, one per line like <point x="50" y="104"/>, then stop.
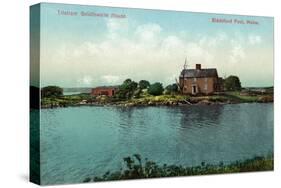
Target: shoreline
<point x="149" y="104"/>
<point x="150" y="169"/>
<point x="144" y="98"/>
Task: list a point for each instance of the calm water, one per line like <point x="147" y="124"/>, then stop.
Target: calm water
<point x="79" y="142"/>
<point x="71" y="93"/>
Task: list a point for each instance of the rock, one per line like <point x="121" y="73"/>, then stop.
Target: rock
<point x="265" y="99"/>
<point x="207" y="102"/>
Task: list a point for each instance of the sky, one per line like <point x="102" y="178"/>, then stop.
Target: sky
<point x="90" y="51"/>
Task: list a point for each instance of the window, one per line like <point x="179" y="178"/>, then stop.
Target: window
<point x="194" y="89"/>
<point x="194" y="79"/>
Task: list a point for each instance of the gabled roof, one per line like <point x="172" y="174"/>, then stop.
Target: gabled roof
<point x="198" y="73"/>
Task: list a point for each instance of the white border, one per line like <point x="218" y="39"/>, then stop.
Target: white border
<point x="14" y="77"/>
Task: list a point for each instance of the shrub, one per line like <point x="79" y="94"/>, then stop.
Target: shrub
<point x="156" y="89"/>
<point x="232" y="83"/>
<point x="127" y="89"/>
<point x="144" y="84"/>
<point x="173" y="88"/>
<point x="135" y="168"/>
<point x="51" y="91"/>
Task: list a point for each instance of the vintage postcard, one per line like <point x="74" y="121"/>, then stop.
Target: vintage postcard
<point x="121" y="93"/>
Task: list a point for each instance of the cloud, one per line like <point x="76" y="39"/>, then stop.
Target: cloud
<point x="172" y="43"/>
<point x="254" y="39"/>
<point x="237" y="52"/>
<point x="116" y="28"/>
<point x="149" y="52"/>
<point x="148" y="32"/>
<point x="113" y="24"/>
<point x="111" y="79"/>
<point x="85" y="80"/>
<point x="221" y="36"/>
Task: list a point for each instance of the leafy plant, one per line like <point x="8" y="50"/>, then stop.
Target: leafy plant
<point x="51" y="91"/>
<point x="232" y="83"/>
<point x="127" y="89"/>
<point x="144" y="84"/>
<point x="149" y="169"/>
<point x="172" y="89"/>
<point x="156" y="89"/>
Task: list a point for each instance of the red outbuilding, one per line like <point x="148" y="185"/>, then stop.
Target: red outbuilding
<point x="104" y="90"/>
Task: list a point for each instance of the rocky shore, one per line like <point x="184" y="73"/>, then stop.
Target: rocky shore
<point x="164" y="101"/>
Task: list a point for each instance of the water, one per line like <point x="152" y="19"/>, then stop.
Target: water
<point x="71" y="92"/>
<point x="80" y="142"/>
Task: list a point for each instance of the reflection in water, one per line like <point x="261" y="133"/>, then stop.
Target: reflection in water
<point x="80" y="142"/>
<point x="199" y="116"/>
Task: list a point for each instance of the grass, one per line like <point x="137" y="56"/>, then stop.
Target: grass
<point x="243" y="98"/>
<point x="136" y="168"/>
<point x="146" y="99"/>
<point x="66" y="100"/>
<point x="236" y="96"/>
<point x="159" y="99"/>
<point x="233" y="97"/>
<point x="230" y="97"/>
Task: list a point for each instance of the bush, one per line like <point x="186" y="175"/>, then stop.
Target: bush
<point x="51" y="91"/>
<point x="156" y="89"/>
<point x="144" y="84"/>
<point x="232" y="83"/>
<point x="127" y="89"/>
<point x="136" y="167"/>
<point x="173" y="88"/>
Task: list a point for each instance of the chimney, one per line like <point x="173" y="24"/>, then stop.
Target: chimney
<point x="198" y="66"/>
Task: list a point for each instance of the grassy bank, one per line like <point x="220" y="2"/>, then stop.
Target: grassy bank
<point x="177" y="99"/>
<point x="149" y="100"/>
<point x="66" y="100"/>
<point x="234" y="97"/>
<point x="136" y="168"/>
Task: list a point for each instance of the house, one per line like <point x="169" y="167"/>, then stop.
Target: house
<point x="104" y="90"/>
<point x="200" y="81"/>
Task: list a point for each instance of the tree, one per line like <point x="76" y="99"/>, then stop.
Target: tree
<point x="143" y="84"/>
<point x="232" y="83"/>
<point x="173" y="88"/>
<point x="51" y="91"/>
<point x="127" y="89"/>
<point x="180" y="86"/>
<point x="156" y="89"/>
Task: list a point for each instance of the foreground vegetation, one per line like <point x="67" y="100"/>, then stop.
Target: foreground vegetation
<point x="146" y="99"/>
<point x="66" y="100"/>
<point x="177" y="99"/>
<point x="136" y="168"/>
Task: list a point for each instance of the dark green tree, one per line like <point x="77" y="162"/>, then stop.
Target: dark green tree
<point x="143" y="84"/>
<point x="127" y="89"/>
<point x="51" y="91"/>
<point x="173" y="88"/>
<point x="156" y="89"/>
<point x="232" y="83"/>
